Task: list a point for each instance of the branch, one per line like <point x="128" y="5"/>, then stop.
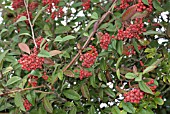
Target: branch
<point x="31" y="26"/>
<point x="21" y="90"/>
<point x="96" y="25"/>
<point x="164" y="92"/>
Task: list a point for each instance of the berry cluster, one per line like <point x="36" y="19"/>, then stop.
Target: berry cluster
<point x="132" y="31"/>
<point x="53" y="9"/>
<point x="89" y="57"/>
<point x="27" y="104"/>
<point x="45" y="76"/>
<point x="84" y="73"/>
<point x="32" y="5"/>
<point x="142" y="7"/>
<point x="17" y="4"/>
<point x="133" y="96"/>
<point x="129" y="50"/>
<point x="40" y="40"/>
<point x="124" y="4"/>
<point x="32" y="80"/>
<point x="24" y="14"/>
<point x="86" y="5"/>
<point x="32" y="61"/>
<point x="151" y="84"/>
<point x="105" y="41"/>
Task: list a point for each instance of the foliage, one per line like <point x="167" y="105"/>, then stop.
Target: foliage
<point x="71" y="57"/>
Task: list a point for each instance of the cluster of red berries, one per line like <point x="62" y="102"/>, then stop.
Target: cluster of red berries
<point x="89" y="57"/>
<point x="41" y="41"/>
<point x="32" y="61"/>
<point x="24" y="14"/>
<point x="151" y="84"/>
<point x="27" y="104"/>
<point x="129" y="50"/>
<point x="86" y="5"/>
<point x="84" y="74"/>
<point x="132" y="31"/>
<point x="105" y="41"/>
<point x="32" y="80"/>
<point x="124" y="4"/>
<point x="17" y="4"/>
<point x="142" y="7"/>
<point x="32" y="5"/>
<point x="45" y="76"/>
<point x="134" y="96"/>
<point x="58" y="13"/>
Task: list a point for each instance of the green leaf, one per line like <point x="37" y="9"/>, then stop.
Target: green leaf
<point x="139" y="78"/>
<point x="44" y="53"/>
<point x="159" y="101"/>
<point x="145" y="2"/>
<point x="73" y="110"/>
<point x="5" y="106"/>
<point x="47" y="30"/>
<point x="109" y="92"/>
<point x="62" y="29"/>
<point x="71" y="94"/>
<point x="2" y="55"/>
<point x="22" y="18"/>
<point x="118" y="62"/>
<point x="39" y="12"/>
<point x="128" y="107"/>
<point x="18" y="101"/>
<point x="135" y="44"/>
<point x="115" y="110"/>
<point x="94" y="16"/>
<point x="92" y="110"/>
<point x="60" y="74"/>
<point x="151" y="32"/>
<point x="130" y="75"/>
<point x="25" y="34"/>
<point x="85" y="91"/>
<point x="47" y="105"/>
<point x="118" y="73"/>
<point x="148" y="69"/>
<point x="66" y="38"/>
<point x="119" y="47"/>
<point x="13" y="80"/>
<point x="89" y="24"/>
<point x="144" y="87"/>
<point x="157" y="6"/>
<point x="8" y="69"/>
<point x="36" y="73"/>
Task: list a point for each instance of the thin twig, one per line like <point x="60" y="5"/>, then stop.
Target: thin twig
<point x="20" y="90"/>
<point x="31" y="26"/>
<point x="164" y="92"/>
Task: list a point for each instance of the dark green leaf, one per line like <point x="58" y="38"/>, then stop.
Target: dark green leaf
<point x="13" y="80"/>
<point x="118" y="62"/>
<point x="85" y="91"/>
<point x="157" y="6"/>
<point x="71" y="94"/>
<point x="73" y="110"/>
<point x="47" y="105"/>
<point x="128" y="107"/>
<point x="144" y="87"/>
<point x="109" y="92"/>
<point x="62" y="29"/>
<point x="2" y="55"/>
<point x="92" y="110"/>
<point x="158" y="101"/>
<point x="145" y="2"/>
<point x="44" y="53"/>
<point x="94" y="15"/>
<point x="19" y="101"/>
<point x="115" y="110"/>
<point x="119" y="47"/>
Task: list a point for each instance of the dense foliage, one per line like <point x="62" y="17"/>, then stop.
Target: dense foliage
<point x="85" y="56"/>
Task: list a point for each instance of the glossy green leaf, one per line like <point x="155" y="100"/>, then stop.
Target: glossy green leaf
<point x="94" y="15"/>
<point x="130" y="75"/>
<point x="145" y="2"/>
<point x="92" y="110"/>
<point x="158" y="101"/>
<point x="13" y="80"/>
<point x="118" y="62"/>
<point x="128" y="107"/>
<point x="119" y="47"/>
<point x="115" y="110"/>
<point x="2" y="55"/>
<point x="118" y="73"/>
<point x="144" y="87"/>
<point x="22" y="18"/>
<point x="73" y="110"/>
<point x="71" y="94"/>
<point x="62" y="29"/>
<point x="44" y="53"/>
<point x="148" y="69"/>
<point x="47" y="105"/>
<point x="110" y="92"/>
<point x="157" y="6"/>
<point x="60" y="74"/>
<point x="19" y="101"/>
<point x="85" y="91"/>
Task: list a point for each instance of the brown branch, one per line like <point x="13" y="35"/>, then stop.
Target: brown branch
<point x="21" y="90"/>
<point x="96" y="25"/>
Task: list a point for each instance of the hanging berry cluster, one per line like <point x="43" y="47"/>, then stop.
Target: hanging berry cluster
<point x="105" y="41"/>
<point x="142" y="7"/>
<point x="17" y="4"/>
<point x="124" y="4"/>
<point x="53" y="8"/>
<point x="132" y="31"/>
<point x="89" y="57"/>
<point x="45" y="76"/>
<point x="134" y="96"/>
<point x="32" y="80"/>
<point x="151" y="84"/>
<point x="32" y="61"/>
<point x="86" y="4"/>
<point x="84" y="74"/>
<point x="27" y="105"/>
